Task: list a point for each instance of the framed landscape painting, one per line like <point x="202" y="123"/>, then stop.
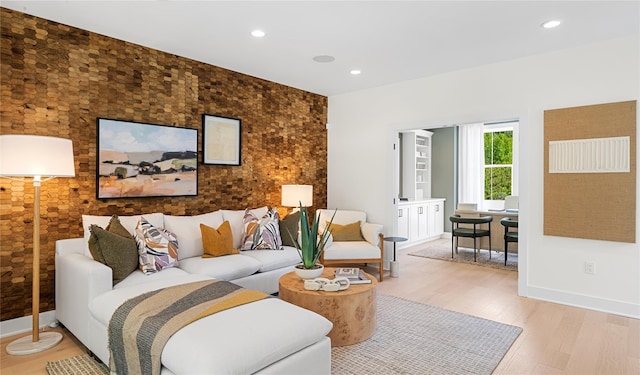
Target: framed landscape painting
<point x="145" y="160"/>
<point x="221" y="140"/>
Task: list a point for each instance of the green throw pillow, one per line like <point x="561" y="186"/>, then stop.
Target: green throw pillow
<point x="118" y="252"/>
<point x="289" y="225"/>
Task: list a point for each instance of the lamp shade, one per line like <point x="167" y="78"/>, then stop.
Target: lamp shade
<point x="34" y="155"/>
<point x="294" y="195"/>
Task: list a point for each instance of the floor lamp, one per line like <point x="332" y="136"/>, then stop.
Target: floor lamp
<point x="36" y="157"/>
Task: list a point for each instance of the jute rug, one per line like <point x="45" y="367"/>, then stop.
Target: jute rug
<point x="441" y="249"/>
<point x="79" y="365"/>
<point x="412" y="338"/>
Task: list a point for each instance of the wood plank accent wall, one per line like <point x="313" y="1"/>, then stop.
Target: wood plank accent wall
<point x="56" y="80"/>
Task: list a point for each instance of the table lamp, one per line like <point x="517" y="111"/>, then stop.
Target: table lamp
<point x="36" y="157"/>
<point x="297" y="195"/>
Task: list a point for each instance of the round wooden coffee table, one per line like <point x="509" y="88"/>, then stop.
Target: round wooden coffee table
<point x="352" y="311"/>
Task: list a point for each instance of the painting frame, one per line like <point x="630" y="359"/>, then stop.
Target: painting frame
<point x="221" y="140"/>
<point x="143" y="160"/>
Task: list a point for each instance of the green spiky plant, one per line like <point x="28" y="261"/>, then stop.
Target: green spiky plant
<point x="311" y="243"/>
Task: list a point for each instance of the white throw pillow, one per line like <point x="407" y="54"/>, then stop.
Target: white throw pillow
<point x="187" y="229"/>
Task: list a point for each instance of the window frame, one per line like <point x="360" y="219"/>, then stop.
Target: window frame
<point x="498" y="204"/>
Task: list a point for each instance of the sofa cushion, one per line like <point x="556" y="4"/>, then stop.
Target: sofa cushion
<point x="351" y="250"/>
<point x="289" y="227"/>
<point x="118" y="252"/>
<point x="157" y="247"/>
<point x="261" y="233"/>
<point x="236" y="219"/>
<point x="249" y="338"/>
<point x="272" y="260"/>
<point x="128" y="222"/>
<point x="187" y="229"/>
<point x="347" y="232"/>
<point x="217" y="242"/>
<point x="227" y="268"/>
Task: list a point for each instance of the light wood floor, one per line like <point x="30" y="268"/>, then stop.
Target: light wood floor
<point x="556" y="339"/>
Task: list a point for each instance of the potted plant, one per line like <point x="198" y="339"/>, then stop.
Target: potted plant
<point x="311" y="245"/>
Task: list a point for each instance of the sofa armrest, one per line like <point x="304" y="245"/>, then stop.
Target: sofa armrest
<point x="79" y="279"/>
<point x="371" y="233"/>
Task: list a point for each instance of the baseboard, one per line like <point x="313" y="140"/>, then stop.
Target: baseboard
<point x="587" y="302"/>
<point x="17" y="326"/>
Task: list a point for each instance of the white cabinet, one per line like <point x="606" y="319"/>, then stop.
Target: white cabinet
<point x="416" y="165"/>
<point x="436" y="217"/>
<point x="420" y="221"/>
<point x="403" y="221"/>
<point x="419" y="225"/>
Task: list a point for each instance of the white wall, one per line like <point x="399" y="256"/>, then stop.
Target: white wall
<point x="360" y="157"/>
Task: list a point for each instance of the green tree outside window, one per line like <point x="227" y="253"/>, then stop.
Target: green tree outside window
<point x="498" y="160"/>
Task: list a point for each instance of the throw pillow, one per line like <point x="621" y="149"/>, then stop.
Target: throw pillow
<point x="289" y="224"/>
<point x="157" y="247"/>
<point x="114" y="226"/>
<point x="348" y="232"/>
<point x="263" y="233"/>
<point x="217" y="242"/>
<point x="118" y="252"/>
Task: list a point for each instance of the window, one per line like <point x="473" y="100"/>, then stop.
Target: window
<point x="498" y="161"/>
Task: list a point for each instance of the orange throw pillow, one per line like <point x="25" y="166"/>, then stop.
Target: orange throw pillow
<point x="217" y="242"/>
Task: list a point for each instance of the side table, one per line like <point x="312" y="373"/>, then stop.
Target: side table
<point x="394" y="266"/>
<point x="352" y="311"/>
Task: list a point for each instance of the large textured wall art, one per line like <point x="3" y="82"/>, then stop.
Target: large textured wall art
<point x="590" y="172"/>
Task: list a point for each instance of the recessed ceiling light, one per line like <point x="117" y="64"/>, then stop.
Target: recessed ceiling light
<point x="323" y="58"/>
<point x="551" y="24"/>
<point x="258" y="33"/>
<point x="355" y="72"/>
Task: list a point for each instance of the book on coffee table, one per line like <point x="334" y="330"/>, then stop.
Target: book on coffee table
<point x="354" y="275"/>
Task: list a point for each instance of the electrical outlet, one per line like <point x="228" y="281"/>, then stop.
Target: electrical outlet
<point x="590" y="268"/>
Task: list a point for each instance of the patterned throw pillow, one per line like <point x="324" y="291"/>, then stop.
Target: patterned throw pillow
<point x="157" y="247"/>
<point x="263" y="233"/>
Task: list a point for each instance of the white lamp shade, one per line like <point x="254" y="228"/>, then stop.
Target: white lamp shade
<point x="34" y="155"/>
<point x="294" y="195"/>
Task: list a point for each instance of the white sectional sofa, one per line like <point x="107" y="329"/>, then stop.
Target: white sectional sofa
<point x="269" y="336"/>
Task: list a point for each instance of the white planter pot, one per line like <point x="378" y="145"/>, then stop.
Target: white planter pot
<point x="311" y="273"/>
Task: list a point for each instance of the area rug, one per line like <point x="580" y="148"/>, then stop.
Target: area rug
<point x="79" y="365"/>
<point x="441" y="249"/>
<point x="412" y="338"/>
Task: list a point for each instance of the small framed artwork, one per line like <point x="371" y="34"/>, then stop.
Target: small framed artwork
<point x="145" y="160"/>
<point x="221" y="140"/>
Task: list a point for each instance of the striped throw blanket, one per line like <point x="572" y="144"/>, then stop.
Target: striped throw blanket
<point x="140" y="327"/>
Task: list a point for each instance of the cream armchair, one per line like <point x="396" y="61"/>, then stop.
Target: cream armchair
<point x="366" y="249"/>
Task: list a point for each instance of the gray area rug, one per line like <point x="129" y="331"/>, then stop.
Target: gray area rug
<point x="79" y="365"/>
<point x="441" y="249"/>
<point x="412" y="338"/>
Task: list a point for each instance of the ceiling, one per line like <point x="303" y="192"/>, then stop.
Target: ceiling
<point x="389" y="41"/>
